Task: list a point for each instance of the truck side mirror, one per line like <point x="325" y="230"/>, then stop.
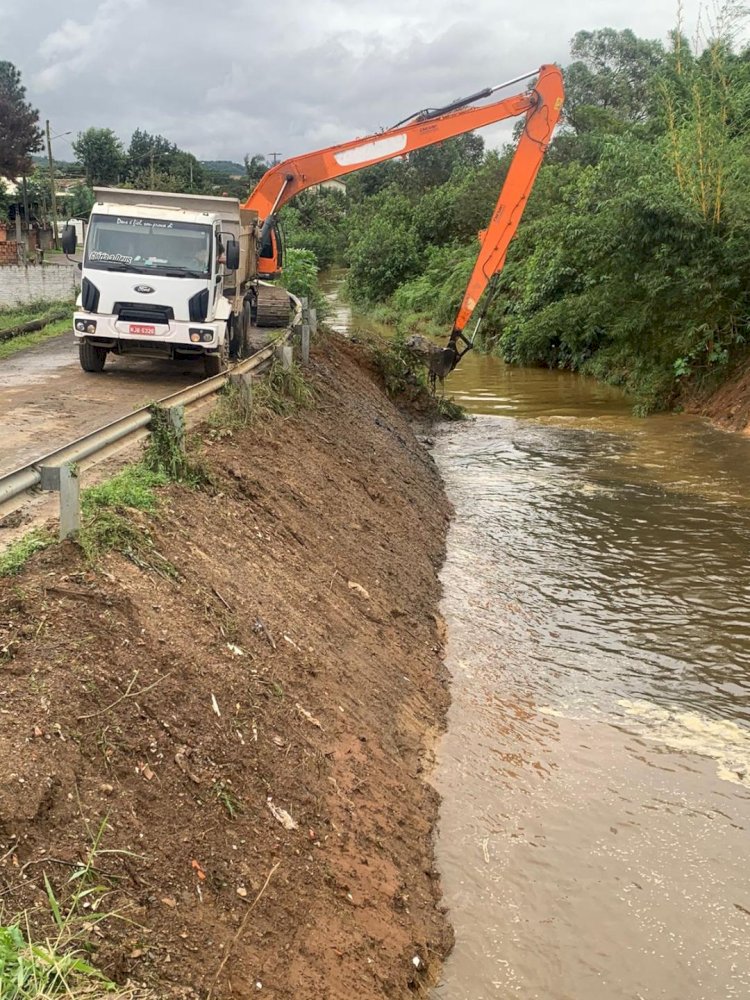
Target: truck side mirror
<point x="232" y="255"/>
<point x="69" y="240"/>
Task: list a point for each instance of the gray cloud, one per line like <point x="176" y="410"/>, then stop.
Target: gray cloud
<point x="249" y="76"/>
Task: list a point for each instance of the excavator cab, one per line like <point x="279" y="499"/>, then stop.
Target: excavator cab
<point x="271" y="253"/>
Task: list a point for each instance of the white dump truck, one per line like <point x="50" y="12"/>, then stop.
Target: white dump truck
<point x="172" y="276"/>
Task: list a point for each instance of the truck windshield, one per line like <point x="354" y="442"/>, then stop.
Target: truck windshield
<point x="148" y="246"/>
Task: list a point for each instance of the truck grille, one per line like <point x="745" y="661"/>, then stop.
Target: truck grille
<point x="139" y="312"/>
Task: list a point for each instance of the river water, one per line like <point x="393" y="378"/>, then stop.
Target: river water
<point x="594" y="839"/>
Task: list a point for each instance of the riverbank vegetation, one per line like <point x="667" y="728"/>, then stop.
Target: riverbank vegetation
<point x="632" y="262"/>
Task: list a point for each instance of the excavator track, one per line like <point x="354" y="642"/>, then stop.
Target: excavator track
<point x="272" y="306"/>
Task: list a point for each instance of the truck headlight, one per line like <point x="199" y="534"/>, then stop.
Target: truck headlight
<point x="201" y="336"/>
<point x="86" y="325"/>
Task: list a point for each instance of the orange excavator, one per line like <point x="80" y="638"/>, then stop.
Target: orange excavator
<point x="541" y="105"/>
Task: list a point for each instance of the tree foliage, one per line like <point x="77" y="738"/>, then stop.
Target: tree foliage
<point x="20" y="135"/>
<point x="101" y="155"/>
<point x="155" y="163"/>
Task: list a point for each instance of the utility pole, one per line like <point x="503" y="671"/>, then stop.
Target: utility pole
<point x="152" y="170"/>
<point x="25" y="190"/>
<point x="52" y="189"/>
<point x="275" y="157"/>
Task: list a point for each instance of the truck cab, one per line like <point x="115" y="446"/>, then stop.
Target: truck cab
<point x="154" y="270"/>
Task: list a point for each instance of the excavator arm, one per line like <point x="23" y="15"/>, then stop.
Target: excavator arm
<point x="537" y="133"/>
<point x="541" y="106"/>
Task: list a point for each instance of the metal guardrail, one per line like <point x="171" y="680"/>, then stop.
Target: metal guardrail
<point x="57" y="469"/>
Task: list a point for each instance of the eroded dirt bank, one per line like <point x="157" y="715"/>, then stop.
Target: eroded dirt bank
<point x="179" y="710"/>
<point x="727" y="406"/>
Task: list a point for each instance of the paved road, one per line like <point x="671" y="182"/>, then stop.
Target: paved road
<point x="46" y="400"/>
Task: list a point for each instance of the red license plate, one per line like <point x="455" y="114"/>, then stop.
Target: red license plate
<point x="142" y="331"/>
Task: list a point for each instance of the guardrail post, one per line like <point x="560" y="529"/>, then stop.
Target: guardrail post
<point x="70" y="502"/>
<point x="285" y="354"/>
<point x="64" y="479"/>
<point x="176" y="415"/>
<point x="305" y="344"/>
<point x="167" y="427"/>
<point x="243" y="385"/>
<point x="313" y="321"/>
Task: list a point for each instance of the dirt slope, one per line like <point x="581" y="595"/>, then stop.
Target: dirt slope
<point x="729" y="405"/>
<point x="179" y="710"/>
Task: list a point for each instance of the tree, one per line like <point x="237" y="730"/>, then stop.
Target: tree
<point x="5" y="200"/>
<point x="255" y="167"/>
<point x="80" y="201"/>
<point x="610" y="81"/>
<point x="434" y="165"/>
<point x="20" y="135"/>
<point x="155" y="163"/>
<point x="101" y="155"/>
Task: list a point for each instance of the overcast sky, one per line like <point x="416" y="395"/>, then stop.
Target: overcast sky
<point x="232" y="77"/>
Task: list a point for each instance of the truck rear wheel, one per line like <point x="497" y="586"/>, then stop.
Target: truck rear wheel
<point x="92" y="358"/>
<point x="246" y="322"/>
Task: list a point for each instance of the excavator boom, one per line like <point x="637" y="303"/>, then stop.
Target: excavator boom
<point x="288" y="178"/>
<point x="541" y="106"/>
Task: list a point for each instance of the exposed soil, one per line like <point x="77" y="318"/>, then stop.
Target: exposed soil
<point x="290" y="656"/>
<point x="729" y="405"/>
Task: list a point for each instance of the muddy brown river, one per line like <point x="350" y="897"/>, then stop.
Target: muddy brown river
<point x="594" y="839"/>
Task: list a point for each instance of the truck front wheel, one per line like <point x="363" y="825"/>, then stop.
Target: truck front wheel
<point x="92" y="358"/>
<point x="215" y="364"/>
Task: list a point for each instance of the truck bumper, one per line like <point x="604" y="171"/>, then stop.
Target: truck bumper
<point x="175" y="339"/>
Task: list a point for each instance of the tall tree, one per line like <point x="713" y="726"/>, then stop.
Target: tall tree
<point x="156" y="163"/>
<point x="148" y="156"/>
<point x="101" y="155"/>
<point x="610" y="82"/>
<point x="255" y="167"/>
<point x="20" y="135"/>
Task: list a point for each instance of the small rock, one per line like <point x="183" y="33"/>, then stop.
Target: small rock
<point x="106" y="789"/>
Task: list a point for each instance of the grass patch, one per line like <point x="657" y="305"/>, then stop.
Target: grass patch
<point x="165" y="454"/>
<point x="32" y="969"/>
<point x="109" y="516"/>
<point x="226" y="797"/>
<point x="25" y="340"/>
<point x="11" y="316"/>
<point x="16" y="555"/>
<point x="133" y="488"/>
<point x="396" y="366"/>
<point x="449" y="409"/>
<point x="280" y="392"/>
